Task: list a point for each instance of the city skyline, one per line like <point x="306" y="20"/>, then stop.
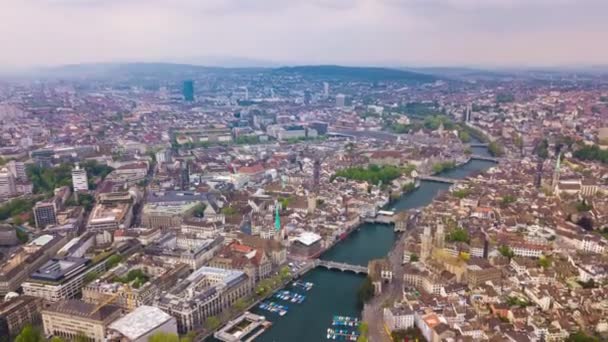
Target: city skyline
<point x="397" y="33"/>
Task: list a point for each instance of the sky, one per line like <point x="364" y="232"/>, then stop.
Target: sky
<point x="288" y="32"/>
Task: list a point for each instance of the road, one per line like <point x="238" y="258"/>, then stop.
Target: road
<point x="379" y="135"/>
<point x="373" y="311"/>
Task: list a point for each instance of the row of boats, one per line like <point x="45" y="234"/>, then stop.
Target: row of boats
<point x="303" y="285"/>
<point x="290" y="296"/>
<point x="286" y="295"/>
<point x="274" y="307"/>
<point x="345" y="321"/>
<point x="341" y="334"/>
<point x="342" y="328"/>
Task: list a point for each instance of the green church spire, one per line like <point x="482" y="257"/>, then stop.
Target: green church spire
<point x="277" y="218"/>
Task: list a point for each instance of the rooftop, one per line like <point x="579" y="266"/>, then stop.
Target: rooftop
<point x="141" y="321"/>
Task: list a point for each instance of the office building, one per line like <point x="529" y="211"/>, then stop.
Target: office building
<point x="141" y="324"/>
<point x="163" y="156"/>
<point x="62" y="277"/>
<point x="161" y="277"/>
<point x="166" y="215"/>
<point x="71" y="319"/>
<point x="80" y="181"/>
<point x="325" y="89"/>
<point x="45" y="213"/>
<point x="207" y="292"/>
<point x="15" y="270"/>
<point x="340" y="100"/>
<point x="188" y="90"/>
<point x="112" y="211"/>
<point x="8" y="235"/>
<point x="17" y="169"/>
<point x="8" y="188"/>
<point x="18" y="312"/>
<point x="43" y="157"/>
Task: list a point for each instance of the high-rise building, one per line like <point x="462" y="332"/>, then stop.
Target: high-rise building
<point x="188" y="90"/>
<point x="326" y="89"/>
<point x="79" y="179"/>
<point x="426" y="244"/>
<point x="17" y="169"/>
<point x="538" y="180"/>
<point x="440" y="236"/>
<point x="340" y="100"/>
<point x="45" y="213"/>
<point x="163" y="156"/>
<point x="185" y="175"/>
<point x="8" y="187"/>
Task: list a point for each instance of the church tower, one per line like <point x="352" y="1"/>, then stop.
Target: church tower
<point x="426" y="244"/>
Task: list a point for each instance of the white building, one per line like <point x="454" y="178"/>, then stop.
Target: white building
<point x="142" y="323"/>
<point x="163" y="156"/>
<point x="8" y="187"/>
<point x="398" y="318"/>
<point x="79" y="179"/>
<point x="17" y="169"/>
<point x="340" y="100"/>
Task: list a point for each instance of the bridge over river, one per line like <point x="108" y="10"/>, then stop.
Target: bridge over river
<point x="340" y="266"/>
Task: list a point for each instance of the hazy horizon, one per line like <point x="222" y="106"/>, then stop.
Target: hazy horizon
<point x="389" y="33"/>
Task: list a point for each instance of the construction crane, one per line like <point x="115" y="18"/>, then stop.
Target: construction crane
<point x="126" y="290"/>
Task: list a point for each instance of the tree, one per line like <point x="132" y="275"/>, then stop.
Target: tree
<point x="458" y="235"/>
<point x="464" y="136"/>
<point x="240" y="305"/>
<point x="414" y="258"/>
<point x="29" y="334"/>
<point x="544" y="262"/>
<point x="506" y="200"/>
<point x="164" y="337"/>
<point x="212" y="323"/>
<point x="580" y="336"/>
<point x="285" y="273"/>
<point x="56" y="339"/>
<point x="586" y="223"/>
<point x="363" y="328"/>
<point x="542" y="149"/>
<point x="366" y="291"/>
<point x="506" y="251"/>
<point x="496" y="149"/>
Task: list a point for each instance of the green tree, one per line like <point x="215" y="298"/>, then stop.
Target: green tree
<point x="414" y="258"/>
<point x="506" y="251"/>
<point x="29" y="334"/>
<point x="464" y="136"/>
<point x="285" y="273"/>
<point x="365" y="292"/>
<point x="164" y="337"/>
<point x="544" y="262"/>
<point x="496" y="149"/>
<point x="212" y="323"/>
<point x="56" y="339"/>
<point x="458" y="235"/>
<point x="506" y="200"/>
<point x="580" y="336"/>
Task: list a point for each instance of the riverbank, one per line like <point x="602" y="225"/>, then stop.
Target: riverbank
<point x="335" y="293"/>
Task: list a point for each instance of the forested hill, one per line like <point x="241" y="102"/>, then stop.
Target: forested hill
<point x="370" y="74"/>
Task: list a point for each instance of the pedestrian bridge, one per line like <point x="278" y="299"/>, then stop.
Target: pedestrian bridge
<point x="438" y="179"/>
<point x="485" y="158"/>
<point x="479" y="145"/>
<point x="341" y="266"/>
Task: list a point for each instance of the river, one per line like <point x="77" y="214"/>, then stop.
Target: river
<point x="334" y="292"/>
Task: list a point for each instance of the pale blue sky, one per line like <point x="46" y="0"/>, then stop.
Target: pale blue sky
<point x="380" y="32"/>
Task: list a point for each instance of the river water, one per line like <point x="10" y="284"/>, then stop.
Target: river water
<point x="335" y="293"/>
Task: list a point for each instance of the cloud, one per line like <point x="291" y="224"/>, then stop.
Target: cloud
<point x="382" y="32"/>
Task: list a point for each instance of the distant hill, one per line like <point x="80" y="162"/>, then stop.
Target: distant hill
<point x="370" y="74"/>
<point x="112" y="70"/>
